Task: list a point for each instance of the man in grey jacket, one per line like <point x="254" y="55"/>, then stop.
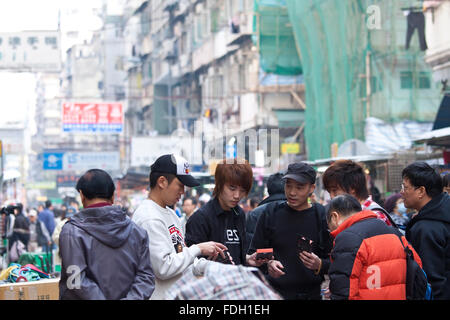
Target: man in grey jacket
<point x="104" y="254"/>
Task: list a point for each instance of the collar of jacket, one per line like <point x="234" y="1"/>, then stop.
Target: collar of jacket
<point x="366" y="214"/>
<point x="99" y="205"/>
<point x="219" y="210"/>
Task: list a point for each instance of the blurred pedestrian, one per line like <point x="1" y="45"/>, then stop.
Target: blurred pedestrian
<point x="275" y="189"/>
<point x="297" y="271"/>
<point x="65" y="217"/>
<point x="222" y="219"/>
<point x="446" y="183"/>
<point x="190" y="205"/>
<point x="429" y="230"/>
<point x="21" y="227"/>
<point x="169" y="255"/>
<point x="48" y="218"/>
<point x="361" y="268"/>
<point x="39" y="235"/>
<point x="397" y="210"/>
<point x="104" y="254"/>
<point x="347" y="176"/>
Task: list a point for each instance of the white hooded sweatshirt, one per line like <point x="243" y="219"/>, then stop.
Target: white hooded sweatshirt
<point x="169" y="256"/>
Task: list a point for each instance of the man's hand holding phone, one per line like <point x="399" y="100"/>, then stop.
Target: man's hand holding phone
<point x="306" y="254"/>
<point x="260" y="257"/>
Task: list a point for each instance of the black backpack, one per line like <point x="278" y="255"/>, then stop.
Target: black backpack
<point x="417" y="286"/>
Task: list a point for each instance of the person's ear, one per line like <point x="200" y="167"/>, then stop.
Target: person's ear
<point x="422" y="192"/>
<point x="311" y="189"/>
<point x="335" y="217"/>
<point x="162" y="182"/>
<point x="82" y="198"/>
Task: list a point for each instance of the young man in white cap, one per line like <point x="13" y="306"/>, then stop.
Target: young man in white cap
<point x="169" y="255"/>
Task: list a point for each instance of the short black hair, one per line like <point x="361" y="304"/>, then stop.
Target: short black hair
<point x="446" y="180"/>
<point x="96" y="183"/>
<point x="344" y="204"/>
<point x="48" y="204"/>
<point x="275" y="183"/>
<point x="154" y="176"/>
<point x="422" y="174"/>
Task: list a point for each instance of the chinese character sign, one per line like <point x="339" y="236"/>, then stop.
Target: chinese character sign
<point x="92" y="117"/>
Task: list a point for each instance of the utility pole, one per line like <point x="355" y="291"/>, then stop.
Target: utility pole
<point x="368" y="84"/>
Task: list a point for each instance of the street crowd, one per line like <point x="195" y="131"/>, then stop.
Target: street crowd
<point x="349" y="248"/>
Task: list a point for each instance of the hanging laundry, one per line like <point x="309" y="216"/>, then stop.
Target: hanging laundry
<point x="416" y="20"/>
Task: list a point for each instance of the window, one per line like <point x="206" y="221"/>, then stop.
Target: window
<point x="50" y="41"/>
<point x="420" y="80"/>
<point x="1" y="40"/>
<point x="406" y="80"/>
<point x="424" y="80"/>
<point x="14" y="41"/>
<point x="32" y="40"/>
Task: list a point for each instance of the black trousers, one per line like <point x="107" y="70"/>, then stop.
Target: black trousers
<point x="416" y="20"/>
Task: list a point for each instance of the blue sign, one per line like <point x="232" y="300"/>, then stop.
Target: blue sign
<point x="53" y="161"/>
<point x="230" y="151"/>
<point x="90" y="127"/>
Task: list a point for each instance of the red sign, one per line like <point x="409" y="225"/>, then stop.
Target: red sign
<point x="92" y="117"/>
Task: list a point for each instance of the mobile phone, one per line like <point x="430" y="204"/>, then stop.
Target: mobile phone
<point x="226" y="260"/>
<point x="304" y="244"/>
<point x="264" y="254"/>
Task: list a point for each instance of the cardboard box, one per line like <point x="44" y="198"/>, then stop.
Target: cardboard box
<point x="46" y="289"/>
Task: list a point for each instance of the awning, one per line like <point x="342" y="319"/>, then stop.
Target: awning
<point x="361" y="158"/>
<point x="443" y="115"/>
<point x="11" y="174"/>
<point x="439" y="138"/>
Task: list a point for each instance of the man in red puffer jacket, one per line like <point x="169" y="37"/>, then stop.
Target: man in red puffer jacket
<point x="368" y="261"/>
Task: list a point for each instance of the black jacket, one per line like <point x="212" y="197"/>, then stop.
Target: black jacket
<point x="252" y="216"/>
<point x="212" y="223"/>
<point x="109" y="252"/>
<point x="429" y="234"/>
<point x="21" y="230"/>
<point x="278" y="228"/>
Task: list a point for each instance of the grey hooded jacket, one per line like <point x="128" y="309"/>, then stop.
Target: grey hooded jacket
<point x="104" y="256"/>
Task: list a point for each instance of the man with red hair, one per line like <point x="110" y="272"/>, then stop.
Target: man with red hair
<point x="221" y="219"/>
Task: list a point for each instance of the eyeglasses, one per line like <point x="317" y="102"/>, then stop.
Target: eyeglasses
<point x="403" y="188"/>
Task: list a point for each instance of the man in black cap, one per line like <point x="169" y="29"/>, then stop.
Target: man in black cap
<point x="169" y="255"/>
<point x="297" y="232"/>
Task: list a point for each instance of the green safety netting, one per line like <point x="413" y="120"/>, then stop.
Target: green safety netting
<point x="339" y="52"/>
<point x="277" y="46"/>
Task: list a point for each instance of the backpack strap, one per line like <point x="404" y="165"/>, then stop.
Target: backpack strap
<point x="377" y="207"/>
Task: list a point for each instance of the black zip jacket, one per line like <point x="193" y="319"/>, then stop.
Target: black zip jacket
<point x="212" y="223"/>
<point x="429" y="234"/>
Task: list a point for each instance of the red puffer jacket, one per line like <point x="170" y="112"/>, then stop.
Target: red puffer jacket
<point x="368" y="261"/>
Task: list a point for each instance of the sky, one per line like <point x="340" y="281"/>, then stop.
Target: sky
<point x="17" y="89"/>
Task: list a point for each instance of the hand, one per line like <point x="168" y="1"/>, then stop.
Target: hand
<point x="252" y="261"/>
<point x="310" y="260"/>
<point x="212" y="249"/>
<point x="275" y="268"/>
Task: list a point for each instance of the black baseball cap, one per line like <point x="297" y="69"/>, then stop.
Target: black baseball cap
<point x="176" y="165"/>
<point x="301" y="172"/>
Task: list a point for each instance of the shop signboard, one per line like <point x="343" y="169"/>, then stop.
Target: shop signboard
<point x="92" y="117"/>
